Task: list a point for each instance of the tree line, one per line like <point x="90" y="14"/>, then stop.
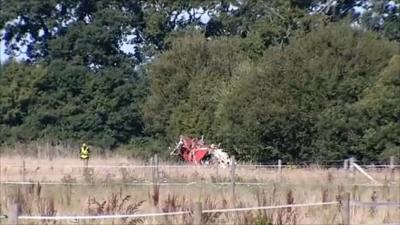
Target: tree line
<point x="293" y="80"/>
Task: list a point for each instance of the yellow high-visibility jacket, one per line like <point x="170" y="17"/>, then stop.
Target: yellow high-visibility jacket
<point x="85" y="152"/>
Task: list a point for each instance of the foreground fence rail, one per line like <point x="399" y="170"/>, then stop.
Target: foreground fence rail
<point x="197" y="211"/>
<point x="102" y="217"/>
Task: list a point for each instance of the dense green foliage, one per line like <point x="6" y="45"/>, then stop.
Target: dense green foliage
<point x="298" y="97"/>
<point x="64" y="101"/>
<point x="267" y="79"/>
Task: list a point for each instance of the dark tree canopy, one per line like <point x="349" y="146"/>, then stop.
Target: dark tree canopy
<point x="296" y="79"/>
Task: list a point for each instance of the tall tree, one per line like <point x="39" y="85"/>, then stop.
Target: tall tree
<point x="64" y="101"/>
<point x="86" y="32"/>
<point x="379" y="111"/>
<point x="381" y="16"/>
<point x="184" y="83"/>
<point x="91" y="32"/>
<point x="285" y="106"/>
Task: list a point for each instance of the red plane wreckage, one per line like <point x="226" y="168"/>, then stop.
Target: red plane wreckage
<point x="195" y="151"/>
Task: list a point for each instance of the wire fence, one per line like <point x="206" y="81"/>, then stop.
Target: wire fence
<point x="188" y="166"/>
<point x="175" y="184"/>
<point x="196" y="167"/>
<point x="267" y="164"/>
<point x="376" y="204"/>
<point x="156" y="168"/>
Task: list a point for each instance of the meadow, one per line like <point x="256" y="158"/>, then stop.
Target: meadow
<point x="58" y="185"/>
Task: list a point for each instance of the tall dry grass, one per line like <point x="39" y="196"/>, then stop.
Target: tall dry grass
<point x="113" y="191"/>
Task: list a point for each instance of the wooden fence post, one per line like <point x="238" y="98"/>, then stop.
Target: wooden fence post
<point x="351" y="168"/>
<point x="233" y="167"/>
<point x="279" y="170"/>
<point x="155" y="186"/>
<point x="13" y="214"/>
<point x="156" y="172"/>
<point x="152" y="169"/>
<point x="346" y="209"/>
<point x="23" y="170"/>
<point x="216" y="173"/>
<point x="85" y="171"/>
<point x="391" y="166"/>
<point x="197" y="211"/>
<point x="151" y="163"/>
<point x="346" y="164"/>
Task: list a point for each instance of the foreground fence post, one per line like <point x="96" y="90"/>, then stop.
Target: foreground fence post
<point x="233" y="168"/>
<point x="346" y="209"/>
<point x="197" y="211"/>
<point x="13" y="214"/>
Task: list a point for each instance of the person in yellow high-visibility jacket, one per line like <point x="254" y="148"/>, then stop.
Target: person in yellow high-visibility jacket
<point x="84" y="153"/>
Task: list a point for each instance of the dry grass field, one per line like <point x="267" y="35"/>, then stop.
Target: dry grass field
<point x="59" y="186"/>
